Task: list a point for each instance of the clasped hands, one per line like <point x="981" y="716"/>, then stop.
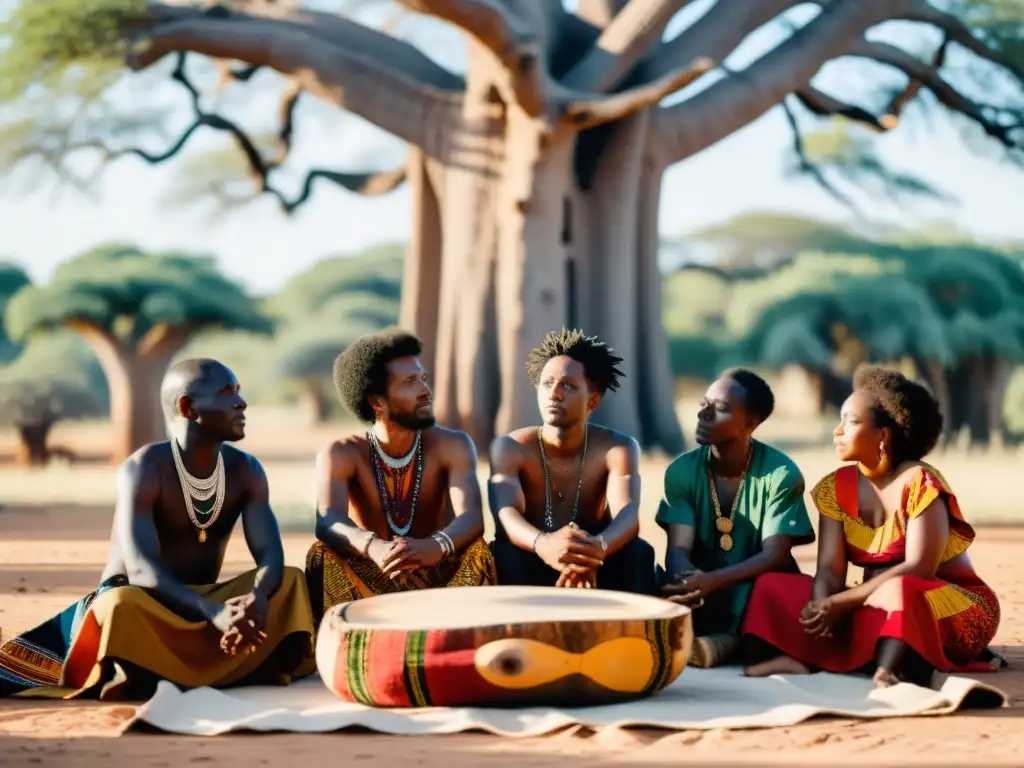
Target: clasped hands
<point x="691" y="588"/>
<point x="404" y="554"/>
<point x="574" y="553"/>
<point x="819" y="617"/>
<point x="242" y="622"/>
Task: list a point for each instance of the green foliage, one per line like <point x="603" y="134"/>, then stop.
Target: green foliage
<point x="879" y="299"/>
<point x="55" y="378"/>
<point x="64" y="46"/>
<point x="376" y="271"/>
<point x="12" y="280"/>
<point x="129" y="292"/>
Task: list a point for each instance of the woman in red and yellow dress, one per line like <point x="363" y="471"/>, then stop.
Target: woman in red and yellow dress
<point x="921" y="605"/>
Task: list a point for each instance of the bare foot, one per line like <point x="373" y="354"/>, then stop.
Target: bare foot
<point x="780" y="665"/>
<point x="883" y="678"/>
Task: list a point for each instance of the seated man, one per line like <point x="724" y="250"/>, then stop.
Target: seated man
<point x="399" y="505"/>
<point x="159" y="613"/>
<point x="733" y="510"/>
<point x="565" y="495"/>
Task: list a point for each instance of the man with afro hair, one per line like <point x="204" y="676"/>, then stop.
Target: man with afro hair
<point x="398" y="504"/>
<point x="565" y="495"/>
<point x="733" y="510"/>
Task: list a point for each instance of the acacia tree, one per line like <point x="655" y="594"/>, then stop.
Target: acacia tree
<point x="536" y="176"/>
<point x="135" y="310"/>
<point x="323" y="310"/>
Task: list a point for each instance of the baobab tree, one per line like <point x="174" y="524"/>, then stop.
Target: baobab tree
<point x="536" y="175"/>
<point x="136" y="311"/>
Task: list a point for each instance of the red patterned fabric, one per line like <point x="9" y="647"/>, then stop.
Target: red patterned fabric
<point x="948" y="620"/>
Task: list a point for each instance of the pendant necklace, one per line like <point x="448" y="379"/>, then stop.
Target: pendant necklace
<point x="722" y="523"/>
<point x="200" y="489"/>
<point x="549" y="515"/>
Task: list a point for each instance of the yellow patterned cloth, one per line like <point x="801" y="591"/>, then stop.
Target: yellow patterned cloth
<point x="128" y="641"/>
<point x="332" y="580"/>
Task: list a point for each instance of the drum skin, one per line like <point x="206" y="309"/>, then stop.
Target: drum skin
<point x="598" y="656"/>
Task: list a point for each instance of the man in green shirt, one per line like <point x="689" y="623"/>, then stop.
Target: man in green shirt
<point x="733" y="510"/>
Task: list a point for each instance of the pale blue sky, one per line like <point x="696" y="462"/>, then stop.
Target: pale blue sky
<point x="262" y="248"/>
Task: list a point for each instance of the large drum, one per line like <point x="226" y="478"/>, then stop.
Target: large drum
<point x="493" y="645"/>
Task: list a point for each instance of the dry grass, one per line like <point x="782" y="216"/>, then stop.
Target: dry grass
<point x="983" y="480"/>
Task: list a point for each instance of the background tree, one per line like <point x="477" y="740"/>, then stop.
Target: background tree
<point x="136" y="310"/>
<point x="12" y="280"/>
<point x="953" y="312"/>
<point x="53" y="379"/>
<point x="536" y="175"/>
<point x="321" y="311"/>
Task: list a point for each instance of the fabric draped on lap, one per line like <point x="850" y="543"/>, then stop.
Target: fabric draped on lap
<point x="949" y="626"/>
<point x="333" y="580"/>
<point x="631" y="569"/>
<point x="35" y="658"/>
<point x="949" y="620"/>
<point x="128" y="641"/>
<point x="770" y="502"/>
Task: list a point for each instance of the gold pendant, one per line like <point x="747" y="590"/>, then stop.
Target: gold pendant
<point x="725" y="542"/>
<point x="724" y="525"/>
<point x="202" y="536"/>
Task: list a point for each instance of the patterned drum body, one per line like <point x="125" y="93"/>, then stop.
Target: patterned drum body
<point x="507" y="646"/>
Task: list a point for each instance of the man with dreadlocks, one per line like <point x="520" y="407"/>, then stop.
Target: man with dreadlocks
<point x="565" y="495"/>
<point x="398" y="505"/>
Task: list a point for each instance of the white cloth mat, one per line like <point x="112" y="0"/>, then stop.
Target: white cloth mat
<point x="698" y="700"/>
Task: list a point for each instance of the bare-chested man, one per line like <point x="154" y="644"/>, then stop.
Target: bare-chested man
<point x="159" y="613"/>
<point x="399" y="505"/>
<point x="565" y="495"/>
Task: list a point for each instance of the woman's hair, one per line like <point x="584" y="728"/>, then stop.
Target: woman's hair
<point x="906" y="407"/>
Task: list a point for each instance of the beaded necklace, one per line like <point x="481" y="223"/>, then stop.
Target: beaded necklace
<point x="396" y="470"/>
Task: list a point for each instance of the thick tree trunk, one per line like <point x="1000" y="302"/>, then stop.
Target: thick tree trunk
<point x="32" y="446"/>
<point x="932" y="373"/>
<point x="421" y="281"/>
<point x="526" y="251"/>
<point x="313" y="402"/>
<point x="134" y="376"/>
<point x="977" y="387"/>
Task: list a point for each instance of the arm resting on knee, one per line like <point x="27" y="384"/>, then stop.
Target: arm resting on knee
<point x="262" y="533"/>
<point x="335" y="469"/>
<point x="463" y="492"/>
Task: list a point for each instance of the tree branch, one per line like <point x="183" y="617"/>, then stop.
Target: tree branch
<point x="725" y="107"/>
<point x="389" y="98"/>
<point x="928" y="76"/>
<point x="824" y="105"/>
<point x="622" y="43"/>
<point x="587" y="113"/>
<point x="717" y="33"/>
<point x="503" y="33"/>
<point x="958" y="32"/>
<point x="809" y="167"/>
<point x="370" y="184"/>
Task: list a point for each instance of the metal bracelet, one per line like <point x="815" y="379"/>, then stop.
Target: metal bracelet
<point x="535" y="540"/>
<point x="369" y="541"/>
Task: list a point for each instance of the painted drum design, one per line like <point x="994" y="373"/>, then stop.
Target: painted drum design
<point x="493" y="645"/>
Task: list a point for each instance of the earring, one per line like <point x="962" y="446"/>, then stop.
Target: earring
<point x="881" y="448"/>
